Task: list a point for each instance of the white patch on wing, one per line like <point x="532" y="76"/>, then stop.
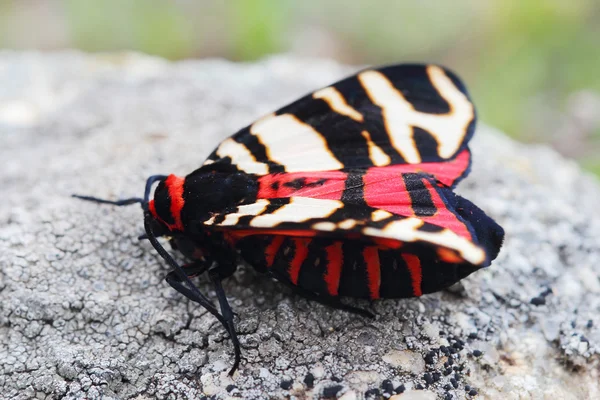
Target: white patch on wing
<point x="347" y="224"/>
<point x="449" y="129"/>
<point x="248" y="209"/>
<point x="241" y="157"/>
<point x="400" y="116"/>
<point x="377" y="156"/>
<point x="293" y="144"/>
<point x="378" y="215"/>
<point x="407" y="230"/>
<point x="324" y="226"/>
<point x="300" y="209"/>
<point x="337" y="103"/>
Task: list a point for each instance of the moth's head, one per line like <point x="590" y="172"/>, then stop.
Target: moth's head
<point x="166" y="206"/>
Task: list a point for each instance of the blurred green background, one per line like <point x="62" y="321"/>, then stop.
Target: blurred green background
<point x="533" y="66"/>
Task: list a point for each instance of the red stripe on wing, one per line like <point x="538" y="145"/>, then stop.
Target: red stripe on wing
<point x="416" y="273"/>
<point x="330" y="184"/>
<point x="444" y="217"/>
<point x="272" y="249"/>
<point x="300" y="253"/>
<point x="335" y="259"/>
<point x="371" y="256"/>
<point x="445" y="172"/>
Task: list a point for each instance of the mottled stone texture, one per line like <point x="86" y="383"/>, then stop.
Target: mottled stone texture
<point x="85" y="312"/>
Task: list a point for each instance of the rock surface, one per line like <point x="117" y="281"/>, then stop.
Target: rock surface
<point x="85" y="312"/>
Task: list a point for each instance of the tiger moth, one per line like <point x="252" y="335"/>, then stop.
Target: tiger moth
<point x="346" y="192"/>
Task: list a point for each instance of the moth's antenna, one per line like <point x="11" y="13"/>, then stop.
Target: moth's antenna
<point x="125" y="202"/>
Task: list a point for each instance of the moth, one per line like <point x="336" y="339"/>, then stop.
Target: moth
<point x="346" y="192"/>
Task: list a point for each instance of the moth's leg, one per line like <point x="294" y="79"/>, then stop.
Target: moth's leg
<point x="329" y="301"/>
<point x="192" y="270"/>
<point x="227" y="313"/>
<point x="198" y="268"/>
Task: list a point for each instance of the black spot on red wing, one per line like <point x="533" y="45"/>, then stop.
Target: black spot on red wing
<point x="275" y="185"/>
<point x="300" y="183"/>
<point x="317" y="183"/>
<point x="354" y="281"/>
<point x="422" y="203"/>
<point x="296" y="184"/>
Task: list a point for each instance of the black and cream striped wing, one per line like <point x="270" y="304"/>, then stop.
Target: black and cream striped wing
<point x="402" y="114"/>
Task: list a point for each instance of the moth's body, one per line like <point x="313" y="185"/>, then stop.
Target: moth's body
<point x="347" y="191"/>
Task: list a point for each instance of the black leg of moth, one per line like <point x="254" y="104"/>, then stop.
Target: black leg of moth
<point x="329" y="301"/>
<point x="198" y="268"/>
<point x="192" y="270"/>
<point x="192" y="293"/>
<point x="227" y="312"/>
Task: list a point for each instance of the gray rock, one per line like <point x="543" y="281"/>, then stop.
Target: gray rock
<point x="85" y="312"/>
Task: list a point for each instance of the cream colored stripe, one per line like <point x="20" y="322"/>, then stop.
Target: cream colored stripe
<point x="241" y="157"/>
<point x="300" y="209"/>
<point x="400" y="116"/>
<point x="248" y="209"/>
<point x="378" y="215"/>
<point x="337" y="103"/>
<point x="450" y="129"/>
<point x="377" y="156"/>
<point x="396" y="113"/>
<point x="293" y="144"/>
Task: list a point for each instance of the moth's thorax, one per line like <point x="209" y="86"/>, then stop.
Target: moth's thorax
<point x="182" y="203"/>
